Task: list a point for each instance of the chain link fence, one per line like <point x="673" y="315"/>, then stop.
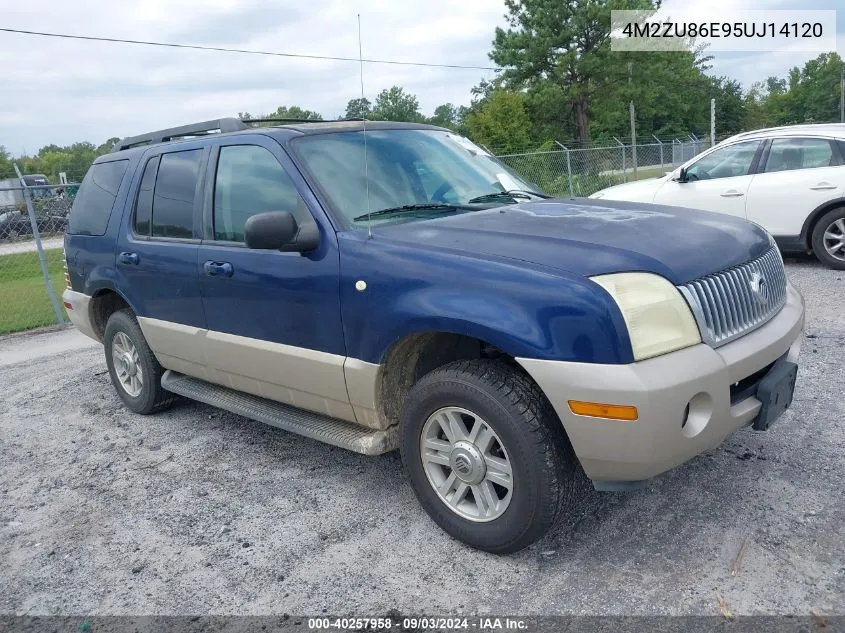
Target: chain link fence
<point x="33" y="220"/>
<point x="583" y="171"/>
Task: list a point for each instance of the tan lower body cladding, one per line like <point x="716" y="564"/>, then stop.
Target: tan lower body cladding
<point x="329" y="384"/>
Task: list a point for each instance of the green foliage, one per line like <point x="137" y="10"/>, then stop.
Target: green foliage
<point x="358" y="108"/>
<point x="566" y="44"/>
<point x="502" y="123"/>
<point x="284" y="112"/>
<point x="561" y="82"/>
<point x="51" y="160"/>
<point x="394" y="104"/>
<point x="446" y="115"/>
<point x="7" y="169"/>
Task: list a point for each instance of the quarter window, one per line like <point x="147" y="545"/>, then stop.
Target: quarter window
<point x="733" y="160"/>
<point x="173" y="196"/>
<point x="95" y="199"/>
<point x="249" y="181"/>
<point x="144" y="202"/>
<point x="788" y="154"/>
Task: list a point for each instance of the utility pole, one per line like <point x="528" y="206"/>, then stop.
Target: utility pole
<point x="842" y="97"/>
<point x="712" y="122"/>
<point x="633" y="123"/>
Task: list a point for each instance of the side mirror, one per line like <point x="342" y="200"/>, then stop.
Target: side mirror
<point x="279" y="231"/>
<point x="682" y="175"/>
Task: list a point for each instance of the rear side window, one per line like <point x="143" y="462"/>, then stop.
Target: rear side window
<point x="787" y="154"/>
<point x="173" y="196"/>
<point x="94" y="200"/>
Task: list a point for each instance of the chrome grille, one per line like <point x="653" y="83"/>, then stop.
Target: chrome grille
<point x="730" y="303"/>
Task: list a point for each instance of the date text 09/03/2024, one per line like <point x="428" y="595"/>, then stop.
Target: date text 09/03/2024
<point x="417" y="623"/>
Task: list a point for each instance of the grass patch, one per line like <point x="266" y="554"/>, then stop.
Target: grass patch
<point x="649" y="172"/>
<point x="24" y="300"/>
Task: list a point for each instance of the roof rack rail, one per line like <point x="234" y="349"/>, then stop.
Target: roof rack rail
<point x="194" y="129"/>
<point x="290" y="120"/>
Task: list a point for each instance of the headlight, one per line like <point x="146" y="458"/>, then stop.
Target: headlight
<point x="658" y="318"/>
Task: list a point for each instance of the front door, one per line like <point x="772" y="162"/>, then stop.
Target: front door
<point x="157" y="256"/>
<point x="717" y="181"/>
<point x="273" y="318"/>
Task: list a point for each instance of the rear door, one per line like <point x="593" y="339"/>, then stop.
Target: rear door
<point x="274" y="325"/>
<point x="797" y="176"/>
<point x="157" y="255"/>
<point x="717" y="181"/>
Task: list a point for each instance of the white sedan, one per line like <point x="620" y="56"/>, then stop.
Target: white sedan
<point x="789" y="180"/>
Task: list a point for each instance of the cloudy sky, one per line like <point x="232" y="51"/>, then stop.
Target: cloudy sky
<point x="61" y="91"/>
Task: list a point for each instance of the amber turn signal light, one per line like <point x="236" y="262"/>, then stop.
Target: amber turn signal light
<point x="599" y="410"/>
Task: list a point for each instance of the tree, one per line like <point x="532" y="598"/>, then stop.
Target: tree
<point x="730" y="105"/>
<point x="819" y="81"/>
<point x="284" y="112"/>
<point x="394" y="104"/>
<point x="7" y="169"/>
<point x="447" y="115"/>
<point x="502" y="123"/>
<point x="294" y="112"/>
<point x="359" y="108"/>
<point x="562" y="42"/>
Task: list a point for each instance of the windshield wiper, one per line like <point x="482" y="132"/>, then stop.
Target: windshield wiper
<point x="510" y="193"/>
<point x="411" y="208"/>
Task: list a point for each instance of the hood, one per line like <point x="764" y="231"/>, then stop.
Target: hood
<point x="591" y="237"/>
<point x="638" y="190"/>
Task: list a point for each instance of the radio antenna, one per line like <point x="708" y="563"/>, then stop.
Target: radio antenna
<point x="364" y="124"/>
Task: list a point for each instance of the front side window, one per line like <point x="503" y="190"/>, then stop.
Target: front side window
<point x="404" y="168"/>
<point x="249" y="181"/>
<point x="173" y="196"/>
<point x="733" y="160"/>
<point x="788" y="154"/>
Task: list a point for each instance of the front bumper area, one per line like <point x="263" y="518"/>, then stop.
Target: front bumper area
<point x="665" y="435"/>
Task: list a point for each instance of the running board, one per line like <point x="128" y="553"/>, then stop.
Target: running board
<point x="317" y="427"/>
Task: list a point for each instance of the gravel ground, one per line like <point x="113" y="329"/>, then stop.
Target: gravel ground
<point x="198" y="511"/>
<point x="29" y="246"/>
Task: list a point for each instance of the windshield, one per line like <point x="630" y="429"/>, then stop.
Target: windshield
<point x="405" y="168"/>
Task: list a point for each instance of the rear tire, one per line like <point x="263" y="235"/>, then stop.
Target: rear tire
<point x="828" y="239"/>
<point x="444" y="447"/>
<point x="134" y="370"/>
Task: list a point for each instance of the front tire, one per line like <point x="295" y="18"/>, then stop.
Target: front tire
<point x="486" y="455"/>
<point x="828" y="239"/>
<point x="134" y="370"/>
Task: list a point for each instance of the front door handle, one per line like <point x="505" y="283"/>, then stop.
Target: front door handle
<point x="732" y="193"/>
<point x="823" y="186"/>
<point x="218" y="269"/>
<point x="128" y="258"/>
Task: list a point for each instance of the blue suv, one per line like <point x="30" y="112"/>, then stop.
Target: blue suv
<point x="381" y="285"/>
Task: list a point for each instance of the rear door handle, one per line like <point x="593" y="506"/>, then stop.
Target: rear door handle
<point x="128" y="258"/>
<point x="731" y="193"/>
<point x="218" y="269"/>
<point x="823" y="186"/>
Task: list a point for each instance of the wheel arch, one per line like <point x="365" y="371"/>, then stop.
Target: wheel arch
<point x="105" y="301"/>
<point x="815" y="216"/>
<point x="416" y="354"/>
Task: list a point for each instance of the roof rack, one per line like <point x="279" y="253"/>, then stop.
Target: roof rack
<point x="194" y="129"/>
<point x="215" y="126"/>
